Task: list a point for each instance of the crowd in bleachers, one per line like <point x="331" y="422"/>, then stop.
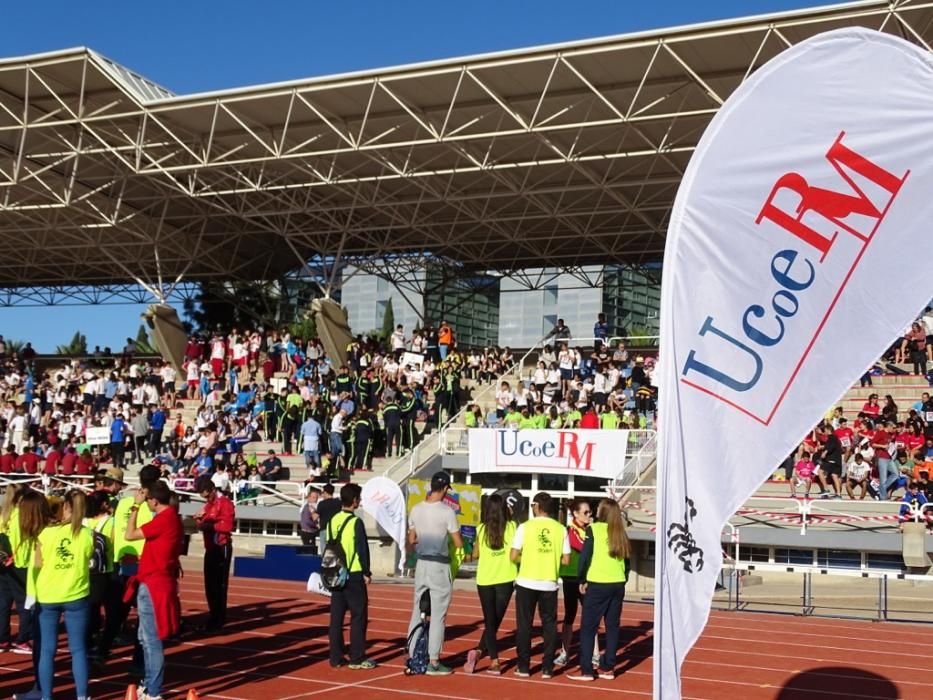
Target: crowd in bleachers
<point x="241" y="386"/>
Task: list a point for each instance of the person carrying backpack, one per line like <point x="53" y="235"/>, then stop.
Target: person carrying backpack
<point x="345" y="572"/>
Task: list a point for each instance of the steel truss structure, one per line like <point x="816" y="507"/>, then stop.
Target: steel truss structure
<point x="562" y="156"/>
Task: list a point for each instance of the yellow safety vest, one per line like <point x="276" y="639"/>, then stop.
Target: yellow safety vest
<point x="64" y="576"/>
<point x="22" y="551"/>
<point x="495" y="565"/>
<point x="542" y="545"/>
<point x="347" y="539"/>
<point x="603" y="568"/>
<point x="121" y="518"/>
<point x="571" y="569"/>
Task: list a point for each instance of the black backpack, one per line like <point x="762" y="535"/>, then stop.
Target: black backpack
<point x="98" y="563"/>
<point x="335" y="569"/>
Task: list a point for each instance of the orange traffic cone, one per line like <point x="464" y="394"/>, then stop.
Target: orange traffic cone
<point x="131" y="693"/>
<point x="193" y="695"/>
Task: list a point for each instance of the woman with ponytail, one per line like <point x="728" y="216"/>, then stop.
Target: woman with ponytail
<point x="495" y="577"/>
<point x="60" y="581"/>
<point x="602" y="573"/>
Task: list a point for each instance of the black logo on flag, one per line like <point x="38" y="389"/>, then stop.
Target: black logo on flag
<point x="681" y="542"/>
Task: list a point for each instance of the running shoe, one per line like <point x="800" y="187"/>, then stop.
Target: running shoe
<point x="21" y="648"/>
<point x="470" y="664"/>
<point x="607" y="675"/>
<point x="561" y="659"/>
<point x="583" y="677"/>
<point x="364" y="665"/>
<point x="521" y="674"/>
<point x="438" y="669"/>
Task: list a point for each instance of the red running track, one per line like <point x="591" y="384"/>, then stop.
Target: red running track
<point x="275" y="648"/>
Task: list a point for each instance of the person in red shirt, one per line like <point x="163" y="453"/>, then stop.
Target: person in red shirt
<point x="69" y="460"/>
<point x="887" y="472"/>
<point x="156" y="581"/>
<point x="85" y="464"/>
<point x="215" y="521"/>
<point x="589" y="420"/>
<point x="846" y="437"/>
<point x="871" y="409"/>
<point x="27" y="463"/>
<point x="8" y="460"/>
<point x="52" y="458"/>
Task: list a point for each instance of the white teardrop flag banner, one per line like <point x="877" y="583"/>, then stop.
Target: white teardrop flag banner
<point x="382" y="498"/>
<point x="798" y="250"/>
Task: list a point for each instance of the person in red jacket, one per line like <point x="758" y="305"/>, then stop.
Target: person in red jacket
<point x="156" y="581"/>
<point x="52" y="458"/>
<point x="215" y="521"/>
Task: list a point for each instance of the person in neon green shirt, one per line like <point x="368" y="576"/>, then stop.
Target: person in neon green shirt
<point x="60" y="579"/>
<point x="541" y="546"/>
<point x="572" y="419"/>
<point x="602" y="573"/>
<point x="609" y="420"/>
<point x="13" y="578"/>
<point x="495" y="577"/>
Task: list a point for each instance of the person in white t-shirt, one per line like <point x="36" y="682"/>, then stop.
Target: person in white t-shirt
<point x="398" y="341"/>
<point x="504" y="399"/>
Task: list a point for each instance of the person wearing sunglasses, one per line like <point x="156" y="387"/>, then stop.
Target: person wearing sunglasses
<point x="581" y="515"/>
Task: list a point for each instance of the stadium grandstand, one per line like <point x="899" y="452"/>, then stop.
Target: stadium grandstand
<point x="563" y="157"/>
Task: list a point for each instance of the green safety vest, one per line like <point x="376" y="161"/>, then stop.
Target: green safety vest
<point x="609" y="421"/>
<point x="65" y="574"/>
<point x="603" y="568"/>
<point x="22" y="551"/>
<point x="347" y="539"/>
<point x="495" y="565"/>
<point x="542" y="544"/>
<point x="570" y="570"/>
<point x="121" y="518"/>
<point x="469" y="419"/>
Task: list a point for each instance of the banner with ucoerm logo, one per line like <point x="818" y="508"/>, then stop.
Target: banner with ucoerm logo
<point x="798" y="249"/>
<point x="598" y="453"/>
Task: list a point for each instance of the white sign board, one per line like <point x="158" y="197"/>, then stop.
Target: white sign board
<point x="98" y="436"/>
<point x="415" y="359"/>
<point x="598" y="453"/>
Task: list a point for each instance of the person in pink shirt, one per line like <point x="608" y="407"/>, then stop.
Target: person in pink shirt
<point x="804" y="472"/>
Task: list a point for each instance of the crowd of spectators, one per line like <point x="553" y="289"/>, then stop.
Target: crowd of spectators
<point x="241" y="386"/>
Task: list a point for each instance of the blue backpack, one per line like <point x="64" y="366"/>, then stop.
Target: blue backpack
<point x="417" y="646"/>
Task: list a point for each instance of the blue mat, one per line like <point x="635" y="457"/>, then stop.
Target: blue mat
<point x="281" y="562"/>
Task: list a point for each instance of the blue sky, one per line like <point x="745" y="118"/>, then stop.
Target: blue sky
<point x="195" y="45"/>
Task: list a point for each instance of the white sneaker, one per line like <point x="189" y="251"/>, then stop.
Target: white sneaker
<point x="561" y="658"/>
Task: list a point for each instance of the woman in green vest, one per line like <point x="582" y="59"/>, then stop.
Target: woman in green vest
<point x="13" y="560"/>
<point x="60" y="580"/>
<point x="602" y="574"/>
<point x="495" y="577"/>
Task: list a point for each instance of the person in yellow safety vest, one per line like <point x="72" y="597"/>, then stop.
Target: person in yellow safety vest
<point x="495" y="577"/>
<point x="541" y="546"/>
<point x="60" y="581"/>
<point x="14" y="556"/>
<point x="580" y="517"/>
<point x="353" y="596"/>
<point x="602" y="573"/>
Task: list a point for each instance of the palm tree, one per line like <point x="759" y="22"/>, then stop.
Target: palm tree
<point x="77" y="346"/>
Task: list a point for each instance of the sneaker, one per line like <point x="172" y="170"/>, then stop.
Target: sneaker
<point x="470" y="664"/>
<point x="547" y="675"/>
<point x="364" y="665"/>
<point x="34" y="694"/>
<point x="494" y="668"/>
<point x="438" y="669"/>
<point x="21" y="648"/>
<point x="607" y="675"/>
<point x="583" y="677"/>
<point x="561" y="659"/>
<point x="521" y="674"/>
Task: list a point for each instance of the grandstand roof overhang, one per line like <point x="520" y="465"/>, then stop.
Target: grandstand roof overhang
<point x="563" y="156"/>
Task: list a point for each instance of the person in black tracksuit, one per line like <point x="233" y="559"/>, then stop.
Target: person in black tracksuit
<point x="363" y="441"/>
<point x="374" y="389"/>
<point x="408" y="409"/>
<point x="393" y="426"/>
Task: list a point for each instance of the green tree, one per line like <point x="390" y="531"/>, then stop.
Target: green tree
<point x="143" y="344"/>
<point x="15" y="346"/>
<point x="235" y="305"/>
<point x="304" y="329"/>
<point x="77" y="346"/>
<point x="388" y="321"/>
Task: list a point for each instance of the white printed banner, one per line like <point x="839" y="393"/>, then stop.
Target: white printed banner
<point x="797" y="251"/>
<point x="383" y="500"/>
<point x="97" y="436"/>
<point x="599" y="453"/>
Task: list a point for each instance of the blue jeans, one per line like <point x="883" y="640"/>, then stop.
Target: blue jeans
<point x="76" y="615"/>
<point x="336" y="444"/>
<point x="887" y="475"/>
<point x="153" y="660"/>
<point x="603" y="601"/>
<point x="443" y="349"/>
